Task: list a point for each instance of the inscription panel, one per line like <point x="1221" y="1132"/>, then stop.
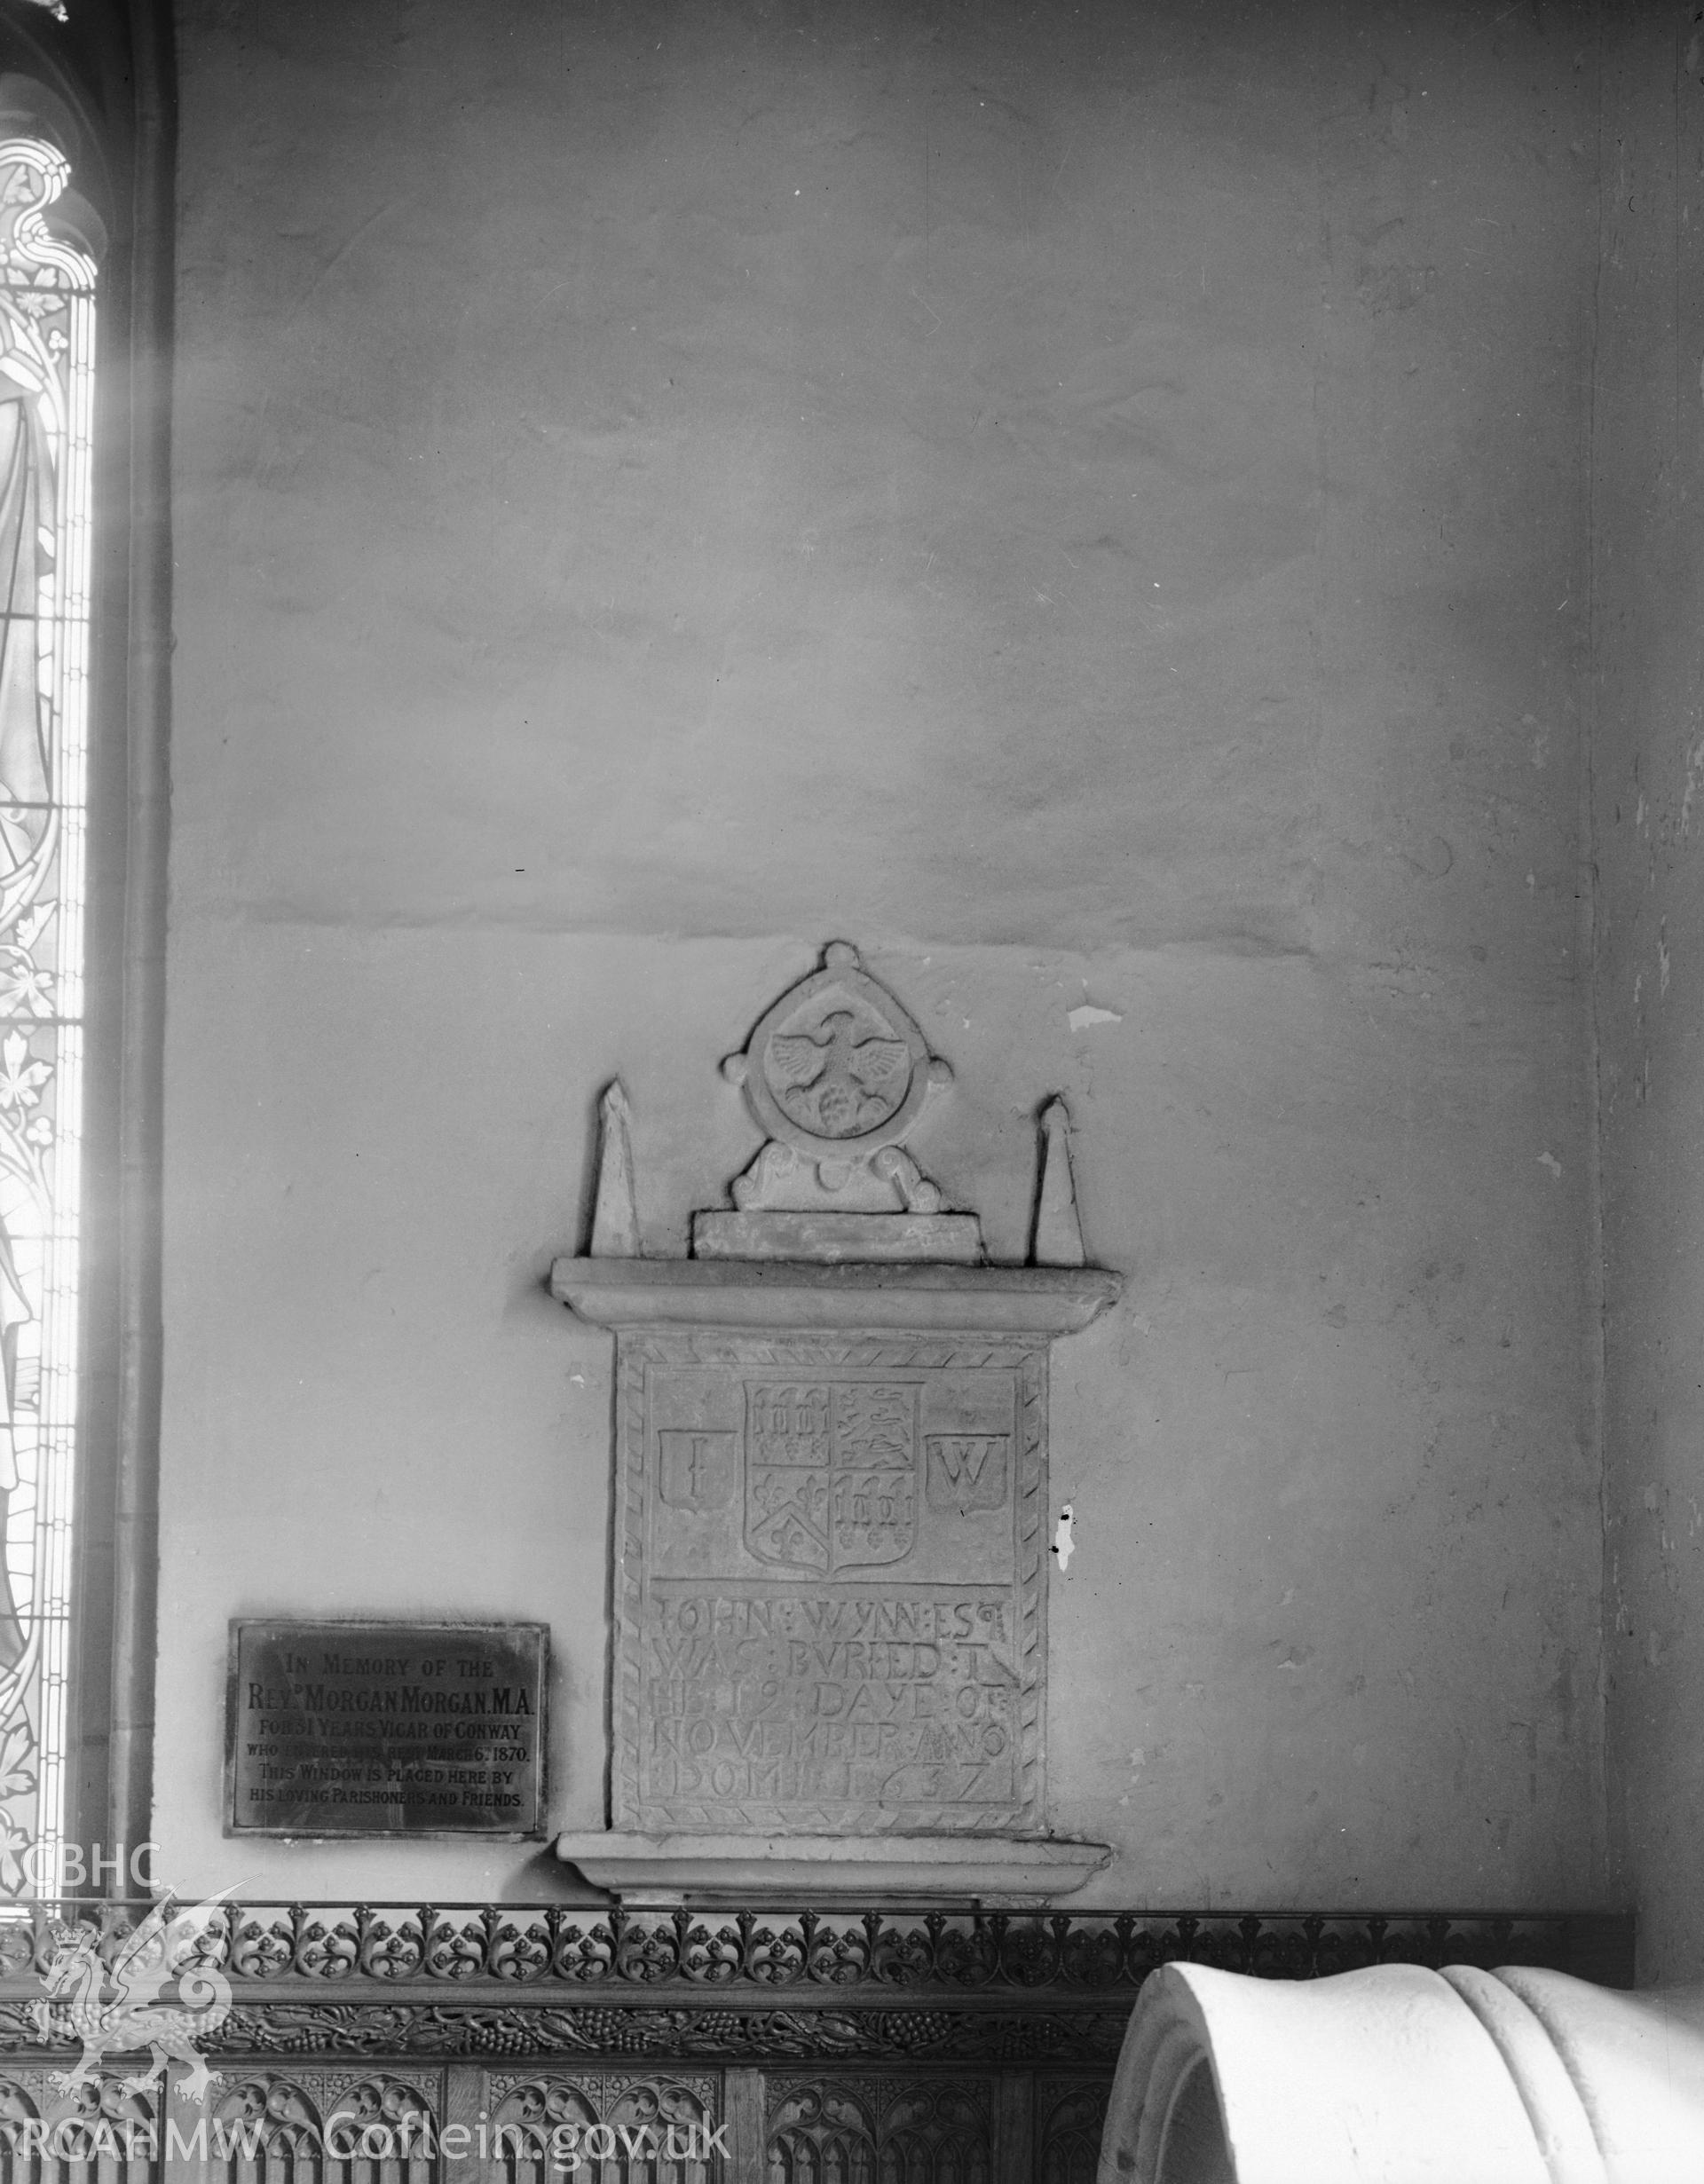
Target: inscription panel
<point x="829" y="1584"/>
<point x="384" y="1729"/>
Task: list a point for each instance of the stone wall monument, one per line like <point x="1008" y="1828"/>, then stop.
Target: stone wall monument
<point x="832" y="1514"/>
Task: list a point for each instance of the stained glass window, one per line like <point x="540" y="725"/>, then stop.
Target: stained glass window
<point x="46" y="400"/>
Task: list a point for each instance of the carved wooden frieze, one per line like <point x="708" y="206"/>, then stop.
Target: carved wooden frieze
<point x="336" y="1984"/>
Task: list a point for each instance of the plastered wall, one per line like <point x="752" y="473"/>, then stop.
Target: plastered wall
<point x="1648" y="750"/>
<point x="1087" y="503"/>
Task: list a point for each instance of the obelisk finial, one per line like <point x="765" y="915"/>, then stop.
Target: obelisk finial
<point x="1059" y="1234"/>
<point x="615" y="1215"/>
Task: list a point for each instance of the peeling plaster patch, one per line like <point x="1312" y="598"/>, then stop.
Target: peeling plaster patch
<point x="1549" y="1161"/>
<point x="1638" y="816"/>
<point x="1064" y="1544"/>
<point x="1662" y="959"/>
<point x="1085" y="1014"/>
<point x="1694" y="758"/>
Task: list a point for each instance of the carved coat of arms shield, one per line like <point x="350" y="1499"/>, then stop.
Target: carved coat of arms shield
<point x="831" y="1472"/>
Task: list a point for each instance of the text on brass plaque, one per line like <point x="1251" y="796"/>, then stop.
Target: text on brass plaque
<point x="385" y="1729"/>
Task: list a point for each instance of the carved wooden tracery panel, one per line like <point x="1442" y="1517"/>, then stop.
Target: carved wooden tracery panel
<point x="1069" y="2117"/>
<point x="341" y="2127"/>
<point x="270" y="2129"/>
<point x="102" y="2128"/>
<point x="845" y="2129"/>
<point x="606" y="2127"/>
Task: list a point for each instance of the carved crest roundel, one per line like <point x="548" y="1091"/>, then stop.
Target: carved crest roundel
<point x="837" y="1067"/>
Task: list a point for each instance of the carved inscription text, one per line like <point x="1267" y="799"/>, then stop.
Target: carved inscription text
<point x="830" y="1586"/>
<point x="855" y="1698"/>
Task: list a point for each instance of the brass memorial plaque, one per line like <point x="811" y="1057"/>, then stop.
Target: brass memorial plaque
<point x="830" y="1583"/>
<point x="385" y="1729"/>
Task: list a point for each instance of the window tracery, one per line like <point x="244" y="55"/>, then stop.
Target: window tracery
<point x="47" y="334"/>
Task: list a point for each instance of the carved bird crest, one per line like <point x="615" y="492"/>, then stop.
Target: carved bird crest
<point x="835" y="1083"/>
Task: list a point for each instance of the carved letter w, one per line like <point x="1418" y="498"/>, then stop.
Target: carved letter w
<point x="964" y="1458"/>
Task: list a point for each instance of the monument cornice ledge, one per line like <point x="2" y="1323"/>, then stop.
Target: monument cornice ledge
<point x="771" y="1294"/>
<point x="651" y="1871"/>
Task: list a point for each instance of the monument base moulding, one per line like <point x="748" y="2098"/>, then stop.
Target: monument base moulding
<point x="831" y="1565"/>
<point x="656" y="1873"/>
